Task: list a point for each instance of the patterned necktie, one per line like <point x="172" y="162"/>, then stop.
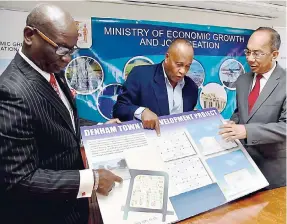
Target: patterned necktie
<point x="253" y="95"/>
<point x="53" y="83"/>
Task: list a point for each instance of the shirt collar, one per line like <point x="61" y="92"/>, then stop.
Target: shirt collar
<point x="33" y="65"/>
<point x="181" y="82"/>
<point x="268" y="74"/>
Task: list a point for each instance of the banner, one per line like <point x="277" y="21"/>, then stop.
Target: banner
<point x="11" y="38"/>
<point x="97" y="73"/>
<point x="110" y="48"/>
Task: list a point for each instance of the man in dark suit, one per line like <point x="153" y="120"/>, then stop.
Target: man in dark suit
<point x="162" y="89"/>
<point x="260" y="118"/>
<point x="42" y="176"/>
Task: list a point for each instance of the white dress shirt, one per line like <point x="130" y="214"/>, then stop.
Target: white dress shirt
<point x="264" y="79"/>
<point x="86" y="176"/>
<point x="174" y="95"/>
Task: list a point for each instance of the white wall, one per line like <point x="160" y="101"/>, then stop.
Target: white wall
<point x="84" y="9"/>
<point x="136" y="11"/>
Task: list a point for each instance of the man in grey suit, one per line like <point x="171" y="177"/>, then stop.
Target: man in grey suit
<point x="42" y="175"/>
<point x="260" y="118"/>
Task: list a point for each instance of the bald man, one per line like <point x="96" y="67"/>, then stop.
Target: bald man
<point x="161" y="89"/>
<point x="42" y="175"/>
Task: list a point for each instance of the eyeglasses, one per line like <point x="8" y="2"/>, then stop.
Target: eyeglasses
<point x="255" y="54"/>
<point x="60" y="50"/>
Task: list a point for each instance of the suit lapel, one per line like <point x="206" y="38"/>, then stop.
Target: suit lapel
<point x="186" y="98"/>
<point x="45" y="89"/>
<point x="65" y="88"/>
<point x="159" y="88"/>
<point x="272" y="82"/>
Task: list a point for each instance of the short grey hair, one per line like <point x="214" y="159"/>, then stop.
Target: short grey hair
<point x="275" y="37"/>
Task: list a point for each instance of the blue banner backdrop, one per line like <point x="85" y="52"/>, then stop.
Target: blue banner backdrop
<point x="97" y="73"/>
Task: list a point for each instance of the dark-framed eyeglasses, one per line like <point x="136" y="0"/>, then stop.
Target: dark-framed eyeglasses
<point x="60" y="50"/>
<point x="255" y="54"/>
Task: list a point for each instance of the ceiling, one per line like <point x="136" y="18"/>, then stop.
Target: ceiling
<point x="269" y="9"/>
<point x="282" y="3"/>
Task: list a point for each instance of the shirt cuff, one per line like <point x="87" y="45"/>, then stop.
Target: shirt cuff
<point x="86" y="183"/>
<point x="138" y="113"/>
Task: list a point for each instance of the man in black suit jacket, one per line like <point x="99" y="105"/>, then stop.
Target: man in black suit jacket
<point x="42" y="176"/>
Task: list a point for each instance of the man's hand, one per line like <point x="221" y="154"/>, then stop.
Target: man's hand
<point x="113" y="121"/>
<point x="150" y="120"/>
<point x="232" y="131"/>
<point x="107" y="181"/>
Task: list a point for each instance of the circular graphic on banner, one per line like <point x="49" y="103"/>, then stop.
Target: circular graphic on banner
<point x="107" y="98"/>
<point x="84" y="74"/>
<point x="196" y="72"/>
<point x="135" y="61"/>
<point x="213" y="95"/>
<point x="229" y="71"/>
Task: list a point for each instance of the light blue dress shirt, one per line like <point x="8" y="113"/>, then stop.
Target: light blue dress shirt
<point x="175" y="101"/>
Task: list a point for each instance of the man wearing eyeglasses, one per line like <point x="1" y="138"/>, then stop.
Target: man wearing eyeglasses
<point x="260" y="118"/>
<point x="42" y="175"/>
